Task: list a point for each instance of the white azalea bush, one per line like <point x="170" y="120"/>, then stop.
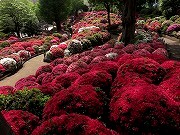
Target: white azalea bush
<point x="9" y="64"/>
<point x="88" y="28"/>
<point x="75" y="46"/>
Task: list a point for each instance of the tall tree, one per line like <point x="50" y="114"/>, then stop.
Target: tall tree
<point x="14" y="14"/>
<point x="107" y="4"/>
<point x="55" y="11"/>
<point x="128" y="21"/>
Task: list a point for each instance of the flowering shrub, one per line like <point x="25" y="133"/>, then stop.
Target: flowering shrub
<point x="129" y="48"/>
<point x="108" y="66"/>
<point x="96" y="78"/>
<point x="65" y="80"/>
<point x="59" y="69"/>
<point x="43" y="69"/>
<point x="173" y="27"/>
<point x="8" y="63"/>
<point x="77" y="99"/>
<point x="75" y="46"/>
<point x="24" y="55"/>
<point x="72" y="124"/>
<point x="145" y="109"/>
<point x="27" y="82"/>
<point x="56" y="62"/>
<point x="79" y="67"/>
<point x="5" y="90"/>
<point x="21" y="122"/>
<point x="147" y="69"/>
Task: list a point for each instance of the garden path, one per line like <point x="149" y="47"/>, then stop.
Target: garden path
<point x="173" y="47"/>
<point x="29" y="68"/>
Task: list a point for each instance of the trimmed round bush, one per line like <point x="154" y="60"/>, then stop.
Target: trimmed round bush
<point x="59" y="69"/>
<point x="96" y="78"/>
<point x="56" y="62"/>
<point x="75" y="46"/>
<point x="146" y="68"/>
<point x="145" y="110"/>
<point x="130" y="48"/>
<point x="43" y="69"/>
<point x="21" y="122"/>
<point x="65" y="80"/>
<point x="76" y="99"/>
<point x="80" y="67"/>
<point x="5" y="90"/>
<point x="72" y="124"/>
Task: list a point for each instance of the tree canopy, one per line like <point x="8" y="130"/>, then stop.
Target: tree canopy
<point x="15" y="14"/>
<point x="55" y="11"/>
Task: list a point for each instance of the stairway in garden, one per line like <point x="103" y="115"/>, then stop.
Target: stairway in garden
<point x="173" y="47"/>
<point x="29" y="68"/>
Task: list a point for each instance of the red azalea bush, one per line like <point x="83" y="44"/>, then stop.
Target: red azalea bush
<point x="124" y="58"/>
<point x="98" y="59"/>
<point x="146" y="68"/>
<point x="5" y="90"/>
<point x="57" y="52"/>
<point x="172" y="86"/>
<point x="76" y="99"/>
<point x="73" y="124"/>
<point x="56" y="62"/>
<point x="86" y="59"/>
<point x="59" y="69"/>
<point x="145" y="110"/>
<point x="50" y="88"/>
<point x="145" y="46"/>
<point x="171" y="67"/>
<point x="27" y="82"/>
<point x="80" y="67"/>
<point x="2" y="69"/>
<point x="65" y="80"/>
<point x="156" y="45"/>
<point x="130" y="48"/>
<point x="109" y="66"/>
<point x="141" y="53"/>
<point x="96" y="78"/>
<point x="43" y="69"/>
<point x="21" y="122"/>
<point x="48" y="78"/>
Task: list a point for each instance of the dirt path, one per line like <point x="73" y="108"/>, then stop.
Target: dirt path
<point x="173" y="48"/>
<point x="29" y="68"/>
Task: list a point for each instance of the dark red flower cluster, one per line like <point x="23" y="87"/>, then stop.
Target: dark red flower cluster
<point x="96" y="78"/>
<point x="59" y="69"/>
<point x="73" y="124"/>
<point x="21" y="122"/>
<point x="80" y="67"/>
<point x="28" y="82"/>
<point x="65" y="80"/>
<point x="143" y="109"/>
<point x="76" y="99"/>
<point x="43" y="69"/>
<point x="5" y="90"/>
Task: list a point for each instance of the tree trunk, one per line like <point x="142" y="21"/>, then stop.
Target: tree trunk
<point x="58" y="26"/>
<point x="128" y="21"/>
<point x="17" y="29"/>
<point x="107" y="6"/>
<point x="4" y="126"/>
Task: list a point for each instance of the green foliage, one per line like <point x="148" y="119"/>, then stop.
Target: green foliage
<point x="15" y="14"/>
<point x="28" y="100"/>
<point x="170" y="7"/>
<point x="4" y="44"/>
<point x="55" y="10"/>
<point x="57" y="35"/>
<point x="3" y="35"/>
<point x="77" y="5"/>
